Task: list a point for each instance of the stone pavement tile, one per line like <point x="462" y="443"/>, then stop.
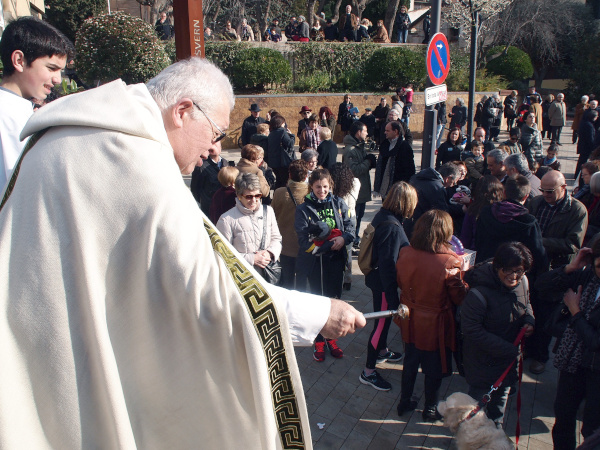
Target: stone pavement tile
<point x="393" y="423"/>
<point x="330" y="408"/>
<point x="384" y="440"/>
<point x="382" y="403"/>
<point x="311" y="408"/>
<point x="411" y="440"/>
<point x="315" y="431"/>
<point x="329" y="441"/>
<point x="540" y="430"/>
<point x="368" y="425"/>
<point x="343" y="391"/>
<point x="535" y="444"/>
<point x="355" y="349"/>
<point x="437" y="442"/>
<point x="342" y="425"/>
<point x="364" y="391"/>
<point x="309" y="377"/>
<point x="356" y="441"/>
<point x="318" y="392"/>
<point x="356" y="406"/>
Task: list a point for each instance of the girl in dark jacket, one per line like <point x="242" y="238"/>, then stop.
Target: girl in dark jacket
<point x="450" y="150"/>
<point x="322" y="267"/>
<point x="491" y="316"/>
<point x="577" y="355"/>
<point x="389" y="238"/>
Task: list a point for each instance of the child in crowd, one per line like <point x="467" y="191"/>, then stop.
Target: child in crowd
<point x="551" y="159"/>
<point x="33" y="55"/>
<point x="224" y="198"/>
<point x="475" y="162"/>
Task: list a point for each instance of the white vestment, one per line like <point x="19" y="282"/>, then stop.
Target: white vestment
<point x="15" y="111"/>
<point x="126" y="320"/>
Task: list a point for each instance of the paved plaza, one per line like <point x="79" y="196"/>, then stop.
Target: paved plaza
<point x="345" y="414"/>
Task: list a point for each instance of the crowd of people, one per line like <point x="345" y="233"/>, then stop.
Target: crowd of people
<point x="121" y="299"/>
<point x="508" y="203"/>
<point x="348" y="28"/>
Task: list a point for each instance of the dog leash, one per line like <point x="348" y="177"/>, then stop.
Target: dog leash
<point x="487" y="397"/>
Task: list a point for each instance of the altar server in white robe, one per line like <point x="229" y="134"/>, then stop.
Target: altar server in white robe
<point x="126" y="320"/>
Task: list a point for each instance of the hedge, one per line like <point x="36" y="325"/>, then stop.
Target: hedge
<point x="118" y="45"/>
<point x="390" y="67"/>
<point x="514" y="65"/>
<point x="337" y="67"/>
<point x="255" y="68"/>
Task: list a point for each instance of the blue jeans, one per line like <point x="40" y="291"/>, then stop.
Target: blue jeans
<point x="402" y="36"/>
<point x="440" y="130"/>
<point x="495" y="408"/>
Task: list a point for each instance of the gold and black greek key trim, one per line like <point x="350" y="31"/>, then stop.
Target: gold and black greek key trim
<point x="13" y="179"/>
<point x="264" y="316"/>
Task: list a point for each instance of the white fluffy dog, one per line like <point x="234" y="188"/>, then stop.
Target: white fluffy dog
<point x="478" y="432"/>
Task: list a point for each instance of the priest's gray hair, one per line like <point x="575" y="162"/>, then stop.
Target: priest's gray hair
<point x="194" y="78"/>
<point x="246" y="182"/>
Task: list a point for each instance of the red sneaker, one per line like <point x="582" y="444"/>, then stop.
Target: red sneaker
<point x="319" y="352"/>
<point x="335" y="351"/>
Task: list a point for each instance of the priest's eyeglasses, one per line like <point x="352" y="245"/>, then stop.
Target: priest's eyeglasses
<point x="222" y="134"/>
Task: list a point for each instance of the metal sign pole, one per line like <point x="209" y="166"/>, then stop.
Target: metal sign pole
<point x="430" y="118"/>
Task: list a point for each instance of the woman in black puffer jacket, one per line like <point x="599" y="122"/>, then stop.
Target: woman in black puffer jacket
<point x="491" y="316"/>
<point x="388" y="239"/>
<point x="577" y="354"/>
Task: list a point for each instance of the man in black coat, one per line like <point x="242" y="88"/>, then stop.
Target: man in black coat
<point x="509" y="220"/>
<point x="204" y="179"/>
<point x="250" y="123"/>
<point x="396" y="151"/>
<point x="431" y="187"/>
<point x="587" y="138"/>
<point x="405" y="133"/>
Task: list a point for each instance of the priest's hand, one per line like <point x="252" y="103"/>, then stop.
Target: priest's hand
<point x="343" y="319"/>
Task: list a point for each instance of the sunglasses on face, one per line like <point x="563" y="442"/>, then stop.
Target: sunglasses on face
<point x="549" y="191"/>
<point x="250" y="197"/>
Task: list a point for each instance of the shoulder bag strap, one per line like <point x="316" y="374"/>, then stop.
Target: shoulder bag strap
<point x="480" y="296"/>
<point x="291" y="196"/>
<point x="264" y="236"/>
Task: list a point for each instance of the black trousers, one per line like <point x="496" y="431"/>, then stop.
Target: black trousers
<point x="572" y="389"/>
<point x="288" y="271"/>
<point x="378" y="338"/>
<point x="538" y="344"/>
<point x="432" y="368"/>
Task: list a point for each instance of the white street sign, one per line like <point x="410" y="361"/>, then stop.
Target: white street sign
<point x="436" y="94"/>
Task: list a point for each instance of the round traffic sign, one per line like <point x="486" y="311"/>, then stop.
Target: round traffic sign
<point x="438" y="58"/>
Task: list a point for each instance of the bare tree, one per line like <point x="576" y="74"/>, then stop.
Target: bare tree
<point x="390" y="16"/>
<point x="459" y="14"/>
<point x="540" y="28"/>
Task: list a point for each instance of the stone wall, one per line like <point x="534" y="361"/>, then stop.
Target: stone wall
<point x="289" y="107"/>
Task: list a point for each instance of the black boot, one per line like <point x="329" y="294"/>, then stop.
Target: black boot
<point x="431" y="414"/>
<point x="405" y="406"/>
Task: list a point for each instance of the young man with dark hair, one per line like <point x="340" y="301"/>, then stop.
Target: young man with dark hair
<point x="33" y="54"/>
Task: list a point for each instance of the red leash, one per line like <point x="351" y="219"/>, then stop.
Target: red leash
<point x="487" y="397"/>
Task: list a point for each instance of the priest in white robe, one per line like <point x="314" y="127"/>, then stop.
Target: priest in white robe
<point x="126" y="320"/>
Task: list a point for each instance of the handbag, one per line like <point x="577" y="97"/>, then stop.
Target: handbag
<point x="558" y="321"/>
<point x="272" y="272"/>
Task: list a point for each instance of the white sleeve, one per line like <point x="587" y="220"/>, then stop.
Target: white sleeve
<point x="306" y="313"/>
